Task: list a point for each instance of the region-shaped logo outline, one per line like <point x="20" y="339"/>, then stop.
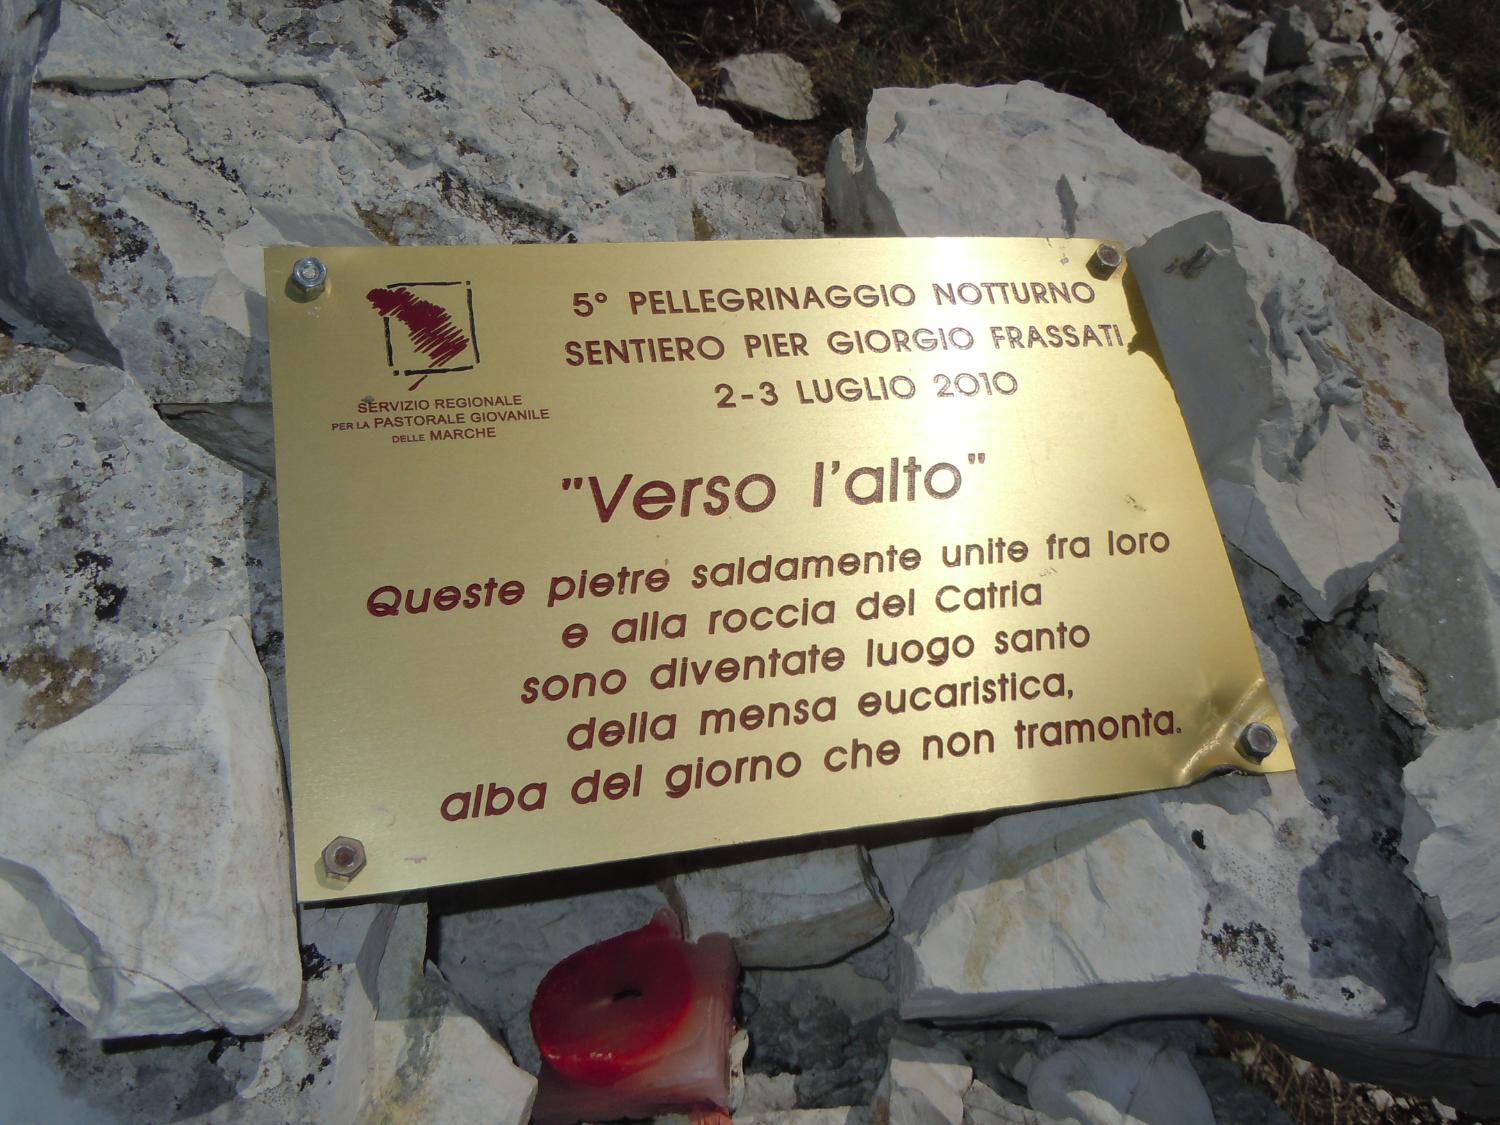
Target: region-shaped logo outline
<point x="430" y="326"/>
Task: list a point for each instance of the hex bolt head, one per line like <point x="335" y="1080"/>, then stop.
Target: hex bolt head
<point x="1258" y="741"/>
<point x="1105" y="260"/>
<point x="309" y="275"/>
<point x="344" y="857"/>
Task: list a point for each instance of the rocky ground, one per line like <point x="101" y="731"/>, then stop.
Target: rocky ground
<point x="1123" y="960"/>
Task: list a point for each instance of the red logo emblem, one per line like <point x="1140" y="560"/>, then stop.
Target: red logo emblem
<point x="429" y="327"/>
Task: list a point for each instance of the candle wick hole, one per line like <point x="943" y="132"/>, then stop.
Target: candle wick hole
<point x="627" y="994"/>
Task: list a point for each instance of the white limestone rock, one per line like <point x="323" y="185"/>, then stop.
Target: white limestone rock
<point x="768" y="82"/>
<point x="1151" y="906"/>
<point x="41" y="302"/>
<point x="1451" y="838"/>
<point x="495" y="951"/>
<point x="1478" y="180"/>
<point x="1451" y="212"/>
<point x="1340" y="402"/>
<point x="822" y="14"/>
<point x="754" y="205"/>
<point x="120" y="536"/>
<point x="774" y="159"/>
<point x="378" y="1039"/>
<point x="1351" y="97"/>
<point x="1245" y="66"/>
<point x="1441" y="610"/>
<point x="1389" y="41"/>
<point x="1330" y="385"/>
<point x="787" y="911"/>
<point x="1251" y="161"/>
<point x="924" y="1084"/>
<point x="1278" y="901"/>
<point x="983" y="1106"/>
<point x="233" y="126"/>
<point x="1119" y="1081"/>
<point x="429" y="1058"/>
<point x="144" y="869"/>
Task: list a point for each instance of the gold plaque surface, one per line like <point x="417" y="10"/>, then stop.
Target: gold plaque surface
<point x="593" y="552"/>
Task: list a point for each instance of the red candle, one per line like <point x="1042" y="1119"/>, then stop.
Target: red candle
<point x="636" y="1025"/>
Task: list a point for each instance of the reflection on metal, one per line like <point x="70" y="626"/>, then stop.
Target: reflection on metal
<point x="592" y="552"/>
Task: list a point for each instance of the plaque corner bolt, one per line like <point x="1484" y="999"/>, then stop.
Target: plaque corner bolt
<point x="309" y="276"/>
<point x="1105" y="260"/>
<point x="1258" y="741"/>
<point x="344" y="857"/>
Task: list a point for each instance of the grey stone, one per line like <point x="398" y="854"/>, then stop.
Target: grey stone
<point x="1245" y="66"/>
<point x="1233" y="1097"/>
<point x="379" y="1039"/>
<point x="754" y="205"/>
<point x="1491" y="374"/>
<point x="1118" y="1081"/>
<point x="1478" y="180"/>
<point x="339" y="932"/>
<point x="822" y="14"/>
<point x="1451" y="212"/>
<point x="44" y="303"/>
<point x="983" y="1106"/>
<point x="1441" y="610"/>
<point x="788" y="911"/>
<point x="1351" y="17"/>
<point x="1292" y="38"/>
<point x="1251" y="161"/>
<point x="240" y="433"/>
<point x="830" y="1025"/>
<point x="1435" y="157"/>
<point x="1451" y="839"/>
<point x="429" y="1059"/>
<point x="1346" y="114"/>
<point x="1322" y="12"/>
<point x="172" y="782"/>
<point x="924" y="1084"/>
<point x="774" y="159"/>
<point x="768" y="82"/>
<point x="1366" y="176"/>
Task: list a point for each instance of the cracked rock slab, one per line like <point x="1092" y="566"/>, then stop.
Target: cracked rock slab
<point x="768" y="82"/>
<point x="1251" y="161"/>
<point x="38" y="298"/>
<point x="120" y="538"/>
<point x="786" y="912"/>
<point x="144" y="877"/>
<point x="1346" y="403"/>
<point x="1452" y="839"/>
<point x="1441" y="609"/>
<point x="173" y="144"/>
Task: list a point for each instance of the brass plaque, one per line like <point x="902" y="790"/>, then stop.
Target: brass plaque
<point x="592" y="552"/>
